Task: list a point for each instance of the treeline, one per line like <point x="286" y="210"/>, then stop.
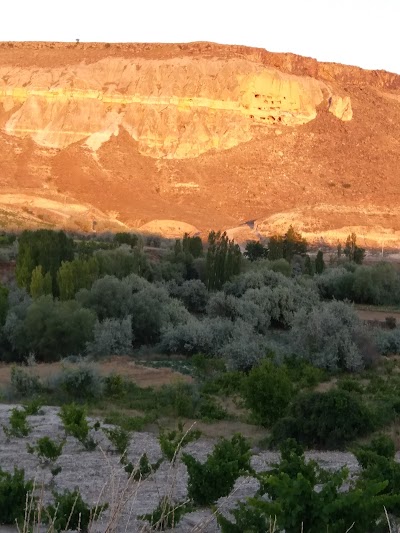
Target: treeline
<point x="82" y="297"/>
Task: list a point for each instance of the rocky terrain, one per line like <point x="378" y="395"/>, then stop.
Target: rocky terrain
<point x="170" y="138"/>
<point x="100" y="477"/>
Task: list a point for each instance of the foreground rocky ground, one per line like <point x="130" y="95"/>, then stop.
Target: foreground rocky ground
<point x="100" y="477"/>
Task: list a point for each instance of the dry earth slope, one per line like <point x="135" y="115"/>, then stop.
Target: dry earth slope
<point x="176" y="137"/>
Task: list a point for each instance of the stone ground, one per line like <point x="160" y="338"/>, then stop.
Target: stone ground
<point x="100" y="477"/>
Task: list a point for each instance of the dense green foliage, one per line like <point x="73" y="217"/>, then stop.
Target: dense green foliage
<point x="14" y="489"/>
<point x="215" y="478"/>
<point x="325" y="420"/>
<point x="43" y="248"/>
<point x="267" y="391"/>
<point x="70" y="512"/>
<point x="299" y="496"/>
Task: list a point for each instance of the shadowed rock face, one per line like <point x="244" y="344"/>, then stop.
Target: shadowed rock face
<point x="204" y="134"/>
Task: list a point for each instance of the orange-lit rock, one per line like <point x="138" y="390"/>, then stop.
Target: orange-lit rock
<point x="200" y="136"/>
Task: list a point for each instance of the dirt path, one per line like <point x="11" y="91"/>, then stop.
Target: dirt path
<point x="143" y="376"/>
<point x="379" y="316"/>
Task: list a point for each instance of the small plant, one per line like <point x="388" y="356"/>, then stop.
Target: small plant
<point x="13" y="496"/>
<point x="47" y="450"/>
<point x="70" y="512"/>
<point x="114" y="386"/>
<point x="166" y="515"/>
<point x="19" y="426"/>
<point x="216" y="477"/>
<point x="172" y="441"/>
<point x="144" y="469"/>
<point x="75" y="423"/>
<point x="120" y="438"/>
<point x="33" y="407"/>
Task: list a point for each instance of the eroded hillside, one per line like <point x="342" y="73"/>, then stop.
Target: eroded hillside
<point x="197" y="136"/>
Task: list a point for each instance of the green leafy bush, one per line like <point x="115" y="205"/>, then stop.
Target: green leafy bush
<point x="267" y="391"/>
<point x="120" y="438"/>
<point x="70" y="512"/>
<point x="182" y="398"/>
<point x="114" y="386"/>
<point x="143" y="469"/>
<point x="172" y="441"/>
<point x="47" y="450"/>
<point x="299" y="496"/>
<point x="33" y="407"/>
<point x="75" y="423"/>
<point x="81" y="383"/>
<point x="166" y="515"/>
<point x="325" y="420"/>
<point x="13" y="496"/>
<point x="210" y="410"/>
<point x="216" y="477"/>
<point x="18" y="425"/>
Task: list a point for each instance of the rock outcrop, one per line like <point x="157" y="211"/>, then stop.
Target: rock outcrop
<point x="205" y="134"/>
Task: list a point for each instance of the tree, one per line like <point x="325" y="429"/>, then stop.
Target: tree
<point x="192" y="245"/>
<point x="75" y="275"/>
<point x="293" y="244"/>
<point x="131" y="239"/>
<point x="3" y="304"/>
<point x="275" y="247"/>
<point x="223" y="259"/>
<point x="46" y="248"/>
<point x="40" y="284"/>
<point x="319" y="262"/>
<point x="352" y="251"/>
<point x="255" y="250"/>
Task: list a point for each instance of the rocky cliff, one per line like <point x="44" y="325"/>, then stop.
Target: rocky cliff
<point x="195" y="136"/>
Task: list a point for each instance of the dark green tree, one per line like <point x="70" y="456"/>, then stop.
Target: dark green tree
<point x="223" y="259"/>
<point x="3" y="304"/>
<point x="192" y="245"/>
<point x="255" y="250"/>
<point x="352" y="251"/>
<point x="319" y="262"/>
<point x="275" y="247"/>
<point x="131" y="239"/>
<point x="44" y="248"/>
<point x="293" y="244"/>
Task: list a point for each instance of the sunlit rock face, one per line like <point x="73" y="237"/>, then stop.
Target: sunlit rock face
<point x="176" y="108"/>
<point x="172" y="138"/>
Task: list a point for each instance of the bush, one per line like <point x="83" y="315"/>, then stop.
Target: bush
<point x="183" y="398"/>
<point x="81" y="383"/>
<point x="24" y="383"/>
<point x="33" y="407"/>
<point x="75" y="423"/>
<point x="166" y="515"/>
<point x="267" y="391"/>
<point x="325" y="420"/>
<point x="114" y="386"/>
<point x="144" y="469"/>
<point x="211" y="410"/>
<point x="120" y="438"/>
<point x="19" y="426"/>
<point x="14" y="491"/>
<point x="216" y="477"/>
<point x="112" y="336"/>
<point x="172" y="441"/>
<point x="300" y="496"/>
<point x="47" y="450"/>
<point x="330" y="336"/>
<point x="388" y="341"/>
<point x="70" y="512"/>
